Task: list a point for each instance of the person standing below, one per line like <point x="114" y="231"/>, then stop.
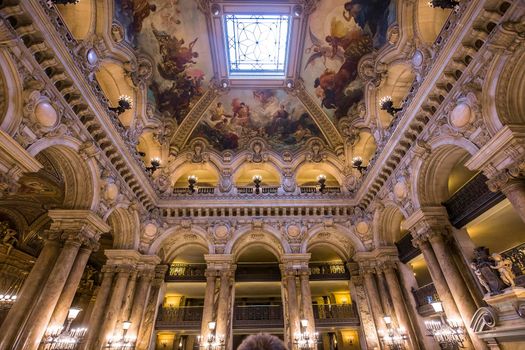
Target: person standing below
<point x="262" y="341"/>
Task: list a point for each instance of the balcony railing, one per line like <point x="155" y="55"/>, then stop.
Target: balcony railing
<point x="517" y="256"/>
<point x="423" y="296"/>
<point x="257" y="272"/>
<point x="248" y="316"/>
<point x="186" y="272"/>
<point x="186" y="317"/>
<point x="178" y="191"/>
<point x="328" y="271"/>
<point x="471" y="200"/>
<point x="315" y="189"/>
<point x="335" y="314"/>
<point x="263" y="190"/>
<point x="406" y="249"/>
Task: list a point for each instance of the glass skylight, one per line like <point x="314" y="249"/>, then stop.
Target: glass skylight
<point x="257" y="43"/>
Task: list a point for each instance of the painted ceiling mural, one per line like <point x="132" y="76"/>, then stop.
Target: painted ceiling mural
<point x="236" y="118"/>
<point x="340" y="34"/>
<point x="174" y="33"/>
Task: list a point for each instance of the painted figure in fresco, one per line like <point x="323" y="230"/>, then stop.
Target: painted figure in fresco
<point x="9" y="239"/>
<point x="371" y="16"/>
<point x="319" y="50"/>
<point x="140" y="10"/>
<point x="175" y="56"/>
<point x="241" y="113"/>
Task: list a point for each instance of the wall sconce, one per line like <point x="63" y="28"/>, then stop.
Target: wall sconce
<point x="155" y="164"/>
<point x="63" y="337"/>
<point x="192" y="181"/>
<point x="448" y="333"/>
<point x="393" y="338"/>
<point x="387" y="105"/>
<point x="305" y="340"/>
<point x="444" y="4"/>
<point x="357" y="163"/>
<point x="212" y="341"/>
<point x="123" y="342"/>
<point x="164" y="343"/>
<point x="321" y="180"/>
<point x="257" y="180"/>
<point x="124" y="103"/>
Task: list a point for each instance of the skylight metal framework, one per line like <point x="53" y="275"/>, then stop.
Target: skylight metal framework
<point x="257" y="44"/>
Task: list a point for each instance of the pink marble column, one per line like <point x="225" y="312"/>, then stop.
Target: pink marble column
<point x="293" y="304"/>
<point x="70" y="288"/>
<point x="306" y="299"/>
<point x="224" y="308"/>
<point x="125" y="313"/>
<point x="99" y="308"/>
<point x="514" y="190"/>
<point x="29" y="292"/>
<point x="209" y="301"/>
<point x="460" y="292"/>
<point x="114" y="307"/>
<point x="373" y="297"/>
<point x="399" y="303"/>
<point x="45" y="305"/>
<point x="140" y="300"/>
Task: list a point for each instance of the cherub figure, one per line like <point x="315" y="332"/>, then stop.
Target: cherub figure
<point x="9" y="239"/>
<point x="480" y="277"/>
<point x="504" y="267"/>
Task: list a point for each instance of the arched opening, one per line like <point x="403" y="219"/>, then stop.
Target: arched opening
<point x="511" y="105"/>
<point x="364" y="148"/>
<point x="244" y="176"/>
<point x="397" y="85"/>
<point x="207" y="177"/>
<point x="331" y="298"/>
<point x="114" y="83"/>
<point x="150" y="149"/>
<point x="80" y="19"/>
<point x="125" y="228"/>
<point x="308" y="176"/>
<point x="430" y="21"/>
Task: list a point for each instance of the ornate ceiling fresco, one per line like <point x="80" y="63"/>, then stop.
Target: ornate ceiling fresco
<point x="175" y="36"/>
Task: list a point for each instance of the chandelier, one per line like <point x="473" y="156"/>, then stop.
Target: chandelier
<point x="6" y="300"/>
<point x="391" y="337"/>
<point x="211" y="341"/>
<point x="305" y="340"/>
<point x="122" y="342"/>
<point x="63" y="337"/>
<point x="450" y="334"/>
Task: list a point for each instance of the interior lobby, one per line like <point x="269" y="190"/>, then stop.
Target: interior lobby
<point x="341" y="174"/>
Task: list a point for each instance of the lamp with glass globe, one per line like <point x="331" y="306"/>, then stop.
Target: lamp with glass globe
<point x="63" y="337"/>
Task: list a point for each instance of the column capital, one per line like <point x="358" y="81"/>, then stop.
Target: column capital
<point x="511" y="176"/>
<point x="427" y="221"/>
<point x="80" y="221"/>
<point x="122" y="256"/>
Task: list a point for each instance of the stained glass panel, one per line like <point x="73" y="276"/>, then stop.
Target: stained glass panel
<point x="257" y="43"/>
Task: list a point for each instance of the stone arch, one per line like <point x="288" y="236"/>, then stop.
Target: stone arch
<point x="389" y="225"/>
<point x="435" y="169"/>
<point x="80" y="19"/>
<point x="175" y="238"/>
<point x="125" y="228"/>
<point x="340" y="236"/>
<point x="429" y="21"/>
<point x="11" y="100"/>
<point x="81" y="176"/>
<point x="510" y="89"/>
<point x="267" y="237"/>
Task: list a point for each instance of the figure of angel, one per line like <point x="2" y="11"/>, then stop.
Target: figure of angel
<point x="504" y="267"/>
<point x="322" y="50"/>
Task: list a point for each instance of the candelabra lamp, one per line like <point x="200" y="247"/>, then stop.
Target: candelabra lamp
<point x="257" y="180"/>
<point x="7" y="300"/>
<point x="124" y="103"/>
<point x="450" y="334"/>
<point x="155" y="164"/>
<point x="211" y="341"/>
<point x="304" y="340"/>
<point x="122" y="342"/>
<point x="63" y="337"/>
<point x="321" y="180"/>
<point x="391" y="337"/>
<point x="444" y="4"/>
<point x="192" y="181"/>
<point x="387" y="105"/>
<point x="357" y="163"/>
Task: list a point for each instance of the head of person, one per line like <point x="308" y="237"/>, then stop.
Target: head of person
<point x="262" y="341"/>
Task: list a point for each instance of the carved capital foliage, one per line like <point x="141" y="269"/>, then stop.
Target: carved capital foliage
<point x="500" y="180"/>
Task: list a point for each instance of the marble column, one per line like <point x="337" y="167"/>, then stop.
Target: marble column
<point x="373" y="297"/>
<point x="514" y="190"/>
<point x="139" y="300"/>
<point x="442" y="288"/>
<point x="224" y="308"/>
<point x="114" y="307"/>
<point x="293" y="304"/>
<point x="384" y="296"/>
<point x="306" y="296"/>
<point x="29" y="292"/>
<point x="370" y="339"/>
<point x="209" y="301"/>
<point x="51" y="290"/>
<point x="286" y="312"/>
<point x="458" y="288"/>
<point x="148" y="321"/>
<point x="125" y="312"/>
<point x="399" y="303"/>
<point x="99" y="307"/>
<point x="70" y="288"/>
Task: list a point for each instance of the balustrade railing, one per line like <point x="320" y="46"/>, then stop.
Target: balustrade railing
<point x="181" y="191"/>
<point x="263" y="190"/>
<point x="246" y="316"/>
<point x="315" y="189"/>
<point x="334" y="314"/>
<point x="328" y="271"/>
<point x="517" y="256"/>
<point x="186" y="272"/>
<point x="180" y="317"/>
<point x="423" y="297"/>
<point x="257" y="272"/>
